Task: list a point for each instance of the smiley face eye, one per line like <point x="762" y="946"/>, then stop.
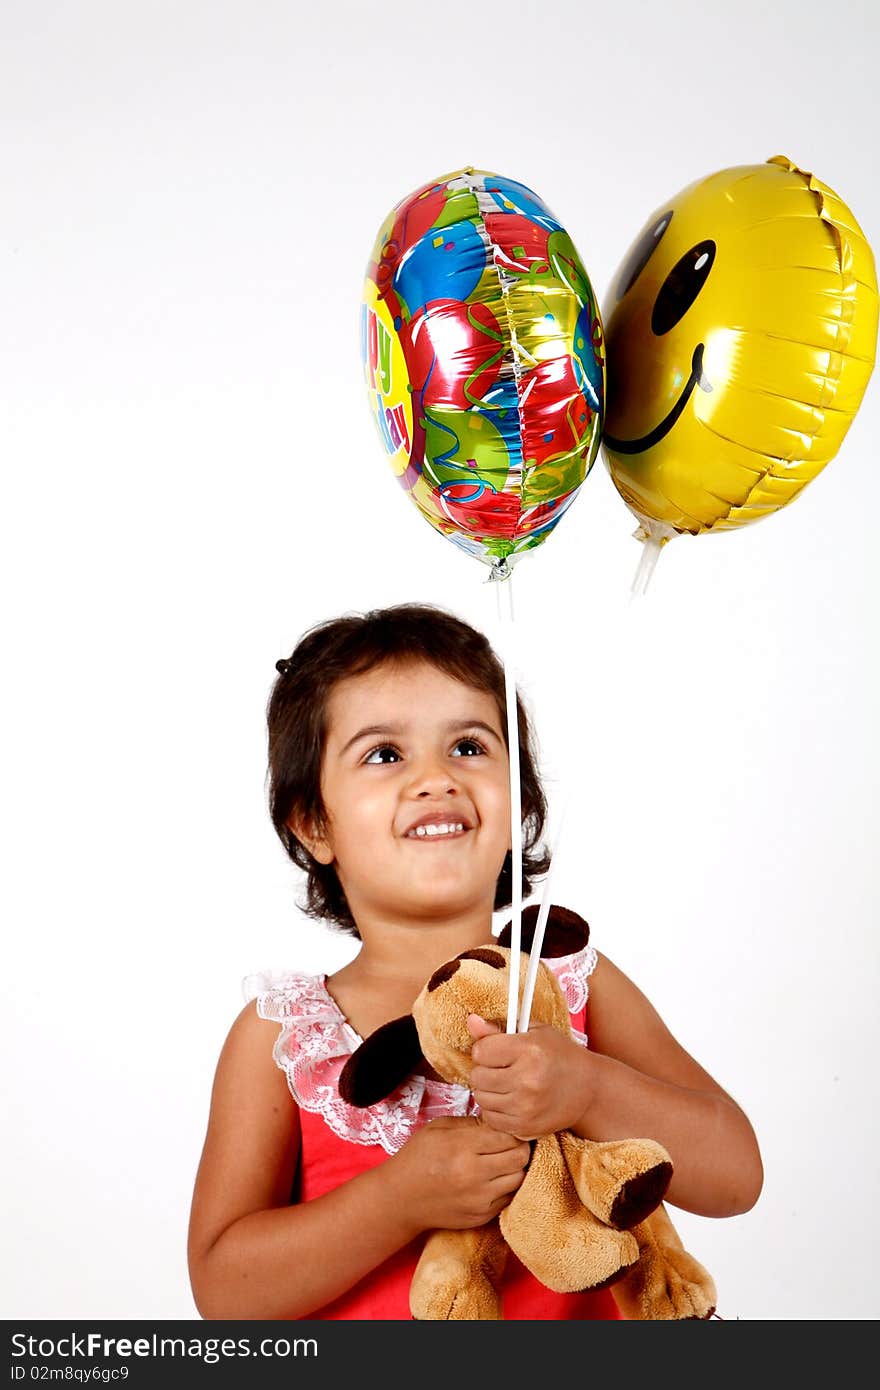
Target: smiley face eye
<point x="681" y="287"/>
<point x="641" y="253"/>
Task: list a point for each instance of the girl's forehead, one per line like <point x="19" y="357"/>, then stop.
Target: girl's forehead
<point x="410" y="689"/>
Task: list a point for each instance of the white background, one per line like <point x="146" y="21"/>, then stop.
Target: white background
<point x="191" y="478"/>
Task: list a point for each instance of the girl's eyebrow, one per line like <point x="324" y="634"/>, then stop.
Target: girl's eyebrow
<point x="371" y="729"/>
<point x="473" y="724"/>
<point x="448" y="727"/>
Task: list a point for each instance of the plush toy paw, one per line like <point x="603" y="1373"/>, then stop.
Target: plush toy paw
<point x="474" y="1301"/>
<point x="555" y="1235"/>
<point x="585" y="1254"/>
<point x="667" y="1283"/>
<point x="621" y="1180"/>
<point x="458" y="1276"/>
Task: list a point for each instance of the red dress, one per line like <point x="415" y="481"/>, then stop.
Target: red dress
<point x="339" y="1141"/>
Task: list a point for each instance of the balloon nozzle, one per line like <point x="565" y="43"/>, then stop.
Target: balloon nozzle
<point x="653" y="535"/>
<point x="501" y="569"/>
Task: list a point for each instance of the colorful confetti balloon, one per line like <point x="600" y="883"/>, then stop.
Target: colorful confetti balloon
<point x="742" y="329"/>
<point x="483" y="357"/>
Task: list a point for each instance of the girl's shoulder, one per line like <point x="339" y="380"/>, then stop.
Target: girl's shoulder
<point x="573" y="973"/>
<point x="313" y="1045"/>
<point x="294" y="1000"/>
<point x="315" y="1038"/>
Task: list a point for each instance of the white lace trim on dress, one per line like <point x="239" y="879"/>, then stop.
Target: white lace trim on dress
<point x="316" y="1040"/>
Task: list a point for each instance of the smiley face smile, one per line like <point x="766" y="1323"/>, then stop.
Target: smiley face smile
<point x="647" y="441"/>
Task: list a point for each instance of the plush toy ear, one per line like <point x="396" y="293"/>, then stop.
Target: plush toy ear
<point x="385" y="1059"/>
<point x="565" y="932"/>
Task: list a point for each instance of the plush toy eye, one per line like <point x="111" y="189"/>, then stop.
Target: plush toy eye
<point x="442" y="974"/>
<point x="446" y="972"/>
<point x="641" y="253"/>
<point x="486" y="955"/>
<point x="681" y="287"/>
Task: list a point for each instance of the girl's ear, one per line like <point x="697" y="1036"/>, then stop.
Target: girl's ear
<point x="316" y="843"/>
<point x="385" y="1059"/>
<point x="564" y="934"/>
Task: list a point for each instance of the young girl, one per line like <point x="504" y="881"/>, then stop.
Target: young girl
<point x="389" y="786"/>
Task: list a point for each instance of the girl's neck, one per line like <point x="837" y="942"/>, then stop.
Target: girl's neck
<point x="402" y="956"/>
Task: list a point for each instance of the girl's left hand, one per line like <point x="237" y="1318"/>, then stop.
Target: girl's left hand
<point x="529" y="1084"/>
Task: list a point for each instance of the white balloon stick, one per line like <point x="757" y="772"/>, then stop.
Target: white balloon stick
<point x="654" y="535"/>
<point x="506" y="632"/>
<point x="540" y="926"/>
<point x="646" y="566"/>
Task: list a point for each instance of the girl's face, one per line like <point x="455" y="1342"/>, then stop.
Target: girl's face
<point x="415" y="783"/>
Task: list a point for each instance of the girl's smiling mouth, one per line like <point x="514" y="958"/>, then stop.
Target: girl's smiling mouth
<point x="438" y="825"/>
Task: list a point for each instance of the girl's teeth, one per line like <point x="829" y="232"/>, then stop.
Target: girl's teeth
<point x="423" y="830"/>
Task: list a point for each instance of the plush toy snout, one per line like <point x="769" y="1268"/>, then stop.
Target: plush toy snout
<point x="476" y="982"/>
<point x="450" y="992"/>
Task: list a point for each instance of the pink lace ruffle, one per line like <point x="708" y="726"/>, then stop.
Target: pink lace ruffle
<point x="572" y="973"/>
<point x="316" y="1041"/>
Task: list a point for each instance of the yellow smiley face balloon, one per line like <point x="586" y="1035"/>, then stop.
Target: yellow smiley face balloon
<point x="741" y="331"/>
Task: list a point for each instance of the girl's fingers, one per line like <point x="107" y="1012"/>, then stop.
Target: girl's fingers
<point x="502" y="1187"/>
<point x="496" y="1122"/>
<point x="502" y="1050"/>
<point x="496" y="1080"/>
<point x="499" y="1121"/>
<point x="496" y="1116"/>
<point x="509" y="1161"/>
<point x="495" y="1140"/>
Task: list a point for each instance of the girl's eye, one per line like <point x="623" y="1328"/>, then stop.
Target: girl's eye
<point x="378" y="755"/>
<point x="471" y="744"/>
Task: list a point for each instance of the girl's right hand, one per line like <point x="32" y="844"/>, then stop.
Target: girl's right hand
<point x="456" y="1173"/>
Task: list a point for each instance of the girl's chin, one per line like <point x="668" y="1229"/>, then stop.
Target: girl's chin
<point x="436" y="902"/>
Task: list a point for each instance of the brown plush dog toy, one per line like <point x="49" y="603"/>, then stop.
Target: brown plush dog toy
<point x="587" y="1214"/>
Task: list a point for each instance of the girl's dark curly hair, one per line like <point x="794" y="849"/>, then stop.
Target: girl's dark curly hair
<point x="297" y="728"/>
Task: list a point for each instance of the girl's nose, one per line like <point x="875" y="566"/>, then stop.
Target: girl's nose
<point x="433" y="777"/>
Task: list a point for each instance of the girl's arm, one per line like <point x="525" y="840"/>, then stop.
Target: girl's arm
<point x="644" y="1084"/>
<point x="252" y="1255"/>
<point x="634" y="1081"/>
